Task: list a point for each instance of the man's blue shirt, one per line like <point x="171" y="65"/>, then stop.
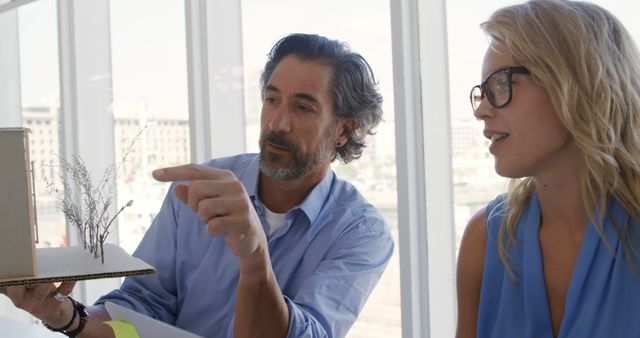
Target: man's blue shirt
<point x="326" y="258"/>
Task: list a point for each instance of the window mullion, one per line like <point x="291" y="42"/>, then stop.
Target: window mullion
<point x="410" y="171"/>
<point x="10" y="92"/>
<point x="425" y="203"/>
<point x="216" y="82"/>
<point x="86" y="126"/>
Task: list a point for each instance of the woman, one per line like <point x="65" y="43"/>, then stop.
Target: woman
<point x="558" y="254"/>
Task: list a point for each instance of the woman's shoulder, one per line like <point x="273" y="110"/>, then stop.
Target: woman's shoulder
<point x="469" y="273"/>
<point x="484" y="220"/>
<point x="495" y="212"/>
<point x="497" y="205"/>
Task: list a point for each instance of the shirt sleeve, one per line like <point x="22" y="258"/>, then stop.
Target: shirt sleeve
<point x="154" y="295"/>
<point x="329" y="301"/>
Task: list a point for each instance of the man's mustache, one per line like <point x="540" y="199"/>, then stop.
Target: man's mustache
<point x="279" y="140"/>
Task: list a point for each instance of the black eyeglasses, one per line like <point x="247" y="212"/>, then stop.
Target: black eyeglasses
<point x="496" y="88"/>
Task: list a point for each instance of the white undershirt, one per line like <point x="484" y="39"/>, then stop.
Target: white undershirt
<point x="275" y="220"/>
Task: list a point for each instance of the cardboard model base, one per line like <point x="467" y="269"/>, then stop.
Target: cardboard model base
<point x="75" y="263"/>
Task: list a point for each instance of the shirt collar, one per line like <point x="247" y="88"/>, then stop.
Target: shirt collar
<point x="250" y="177"/>
<point x="311" y="205"/>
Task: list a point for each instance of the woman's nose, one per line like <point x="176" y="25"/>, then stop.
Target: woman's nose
<point x="484" y="110"/>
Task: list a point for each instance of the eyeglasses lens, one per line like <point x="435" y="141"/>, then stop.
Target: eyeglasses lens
<point x="498" y="88"/>
<point x="476" y="97"/>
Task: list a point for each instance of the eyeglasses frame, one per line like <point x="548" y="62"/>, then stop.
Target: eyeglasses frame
<point x="484" y="90"/>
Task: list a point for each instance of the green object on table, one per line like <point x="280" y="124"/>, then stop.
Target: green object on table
<point x="123" y="329"/>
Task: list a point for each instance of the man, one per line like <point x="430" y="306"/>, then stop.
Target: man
<point x="273" y="245"/>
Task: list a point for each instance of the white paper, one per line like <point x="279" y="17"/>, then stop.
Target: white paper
<point x="146" y="327"/>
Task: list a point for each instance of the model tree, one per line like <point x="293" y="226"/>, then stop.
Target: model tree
<point x="87" y="205"/>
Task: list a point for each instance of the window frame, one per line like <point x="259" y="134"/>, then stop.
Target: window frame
<point x="215" y="130"/>
<point x="84" y="49"/>
<point x="10" y="91"/>
<point x="425" y="191"/>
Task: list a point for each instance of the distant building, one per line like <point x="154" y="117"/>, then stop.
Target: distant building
<point x="43" y="141"/>
<point x="164" y="142"/>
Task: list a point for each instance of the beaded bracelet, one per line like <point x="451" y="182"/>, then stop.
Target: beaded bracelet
<point x="73" y="317"/>
<point x="78" y="309"/>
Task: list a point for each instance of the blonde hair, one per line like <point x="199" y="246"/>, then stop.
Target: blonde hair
<point x="590" y="67"/>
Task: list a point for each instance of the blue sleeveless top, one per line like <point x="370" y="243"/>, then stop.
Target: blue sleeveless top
<point x="603" y="299"/>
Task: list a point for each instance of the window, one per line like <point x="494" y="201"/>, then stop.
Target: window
<point x="30" y="94"/>
<point x="40" y="93"/>
<point x="475" y="181"/>
<point x="148" y="58"/>
<point x="364" y="25"/>
<point x="150" y="103"/>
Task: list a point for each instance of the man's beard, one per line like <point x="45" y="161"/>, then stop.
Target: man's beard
<point x="277" y="165"/>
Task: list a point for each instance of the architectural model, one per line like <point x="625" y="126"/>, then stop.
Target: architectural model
<point x="17" y="242"/>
